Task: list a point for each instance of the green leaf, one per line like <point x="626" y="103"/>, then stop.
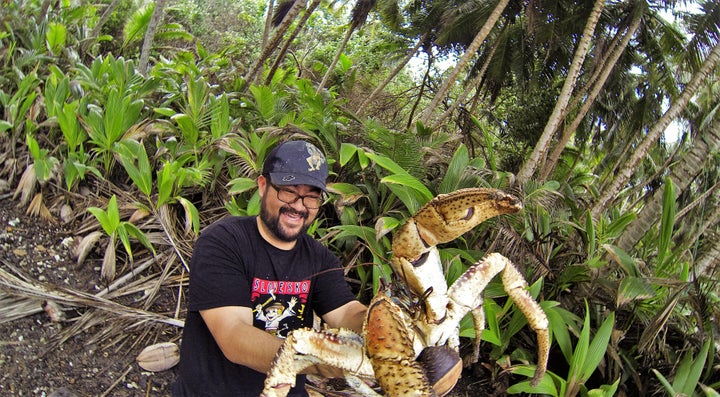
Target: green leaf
<point x="188" y="128"/>
<point x="626" y="262"/>
<point x="598" y="347"/>
<point x="122" y="233"/>
<point x="545" y="387"/>
<point x="456" y="169"/>
<point x="492" y="333"/>
<point x="665" y="383"/>
<point x="411" y="182"/>
<point x="109" y="219"/>
<point x="56" y="37"/>
<point x="192" y="216"/>
<point x="689" y="372"/>
<point x="634" y="288"/>
<point x="135" y="232"/>
<point x="580" y="353"/>
<point x="135" y="160"/>
<point x="590" y="234"/>
<point x="264" y="101"/>
<point x="618" y="225"/>
<point x="559" y="325"/>
<point x="165" y="183"/>
<point x="347" y="151"/>
<point x="241" y="185"/>
<point x="386" y="163"/>
<point x="220" y="120"/>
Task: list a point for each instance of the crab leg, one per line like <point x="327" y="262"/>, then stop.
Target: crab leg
<point x="466" y="295"/>
<point x="305" y="347"/>
<point x="442" y="219"/>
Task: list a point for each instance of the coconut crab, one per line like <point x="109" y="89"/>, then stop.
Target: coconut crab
<point x="401" y="346"/>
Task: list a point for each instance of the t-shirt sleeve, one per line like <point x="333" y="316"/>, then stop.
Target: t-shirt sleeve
<point x="332" y="290"/>
<point x="217" y="272"/>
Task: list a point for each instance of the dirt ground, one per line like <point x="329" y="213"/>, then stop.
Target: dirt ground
<point x="33" y="363"/>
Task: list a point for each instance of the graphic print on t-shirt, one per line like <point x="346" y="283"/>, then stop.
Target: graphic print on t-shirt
<point x="279" y="305"/>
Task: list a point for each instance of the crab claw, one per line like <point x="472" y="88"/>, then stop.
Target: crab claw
<point x="448" y="216"/>
<point x="442" y="219"/>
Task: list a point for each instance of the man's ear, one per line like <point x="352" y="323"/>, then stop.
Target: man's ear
<point x="262" y="185"/>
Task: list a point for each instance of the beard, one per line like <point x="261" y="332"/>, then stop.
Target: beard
<point x="273" y="223"/>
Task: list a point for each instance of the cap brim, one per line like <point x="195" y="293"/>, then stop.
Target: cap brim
<point x="287" y="179"/>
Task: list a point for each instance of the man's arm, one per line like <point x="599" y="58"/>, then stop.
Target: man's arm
<point x="240" y="342"/>
<point x="350" y="315"/>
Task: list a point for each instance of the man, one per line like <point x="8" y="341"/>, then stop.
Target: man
<point x="255" y="279"/>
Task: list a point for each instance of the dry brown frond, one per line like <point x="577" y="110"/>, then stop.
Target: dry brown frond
<point x="26" y="186"/>
<point x="15" y="285"/>
<point x="16" y="307"/>
<point x="38" y="209"/>
<point x="9" y="165"/>
<point x="107" y="272"/>
<point x="83" y="248"/>
<point x="139" y="214"/>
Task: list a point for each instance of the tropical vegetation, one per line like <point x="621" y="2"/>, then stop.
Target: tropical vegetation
<point x="138" y="123"/>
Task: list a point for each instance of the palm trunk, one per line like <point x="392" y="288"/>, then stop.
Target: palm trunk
<point x="704" y="264"/>
<point x="99" y="25"/>
<point x="155" y="20"/>
<point x="475" y="83"/>
<point x="625" y="172"/>
<point x="335" y="60"/>
<point x="268" y="23"/>
<point x="298" y="28"/>
<point x="682" y="175"/>
<point x="543" y="144"/>
<point x="272" y="44"/>
<point x="462" y="63"/>
<point x="597" y="86"/>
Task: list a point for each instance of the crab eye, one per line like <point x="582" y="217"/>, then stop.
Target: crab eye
<point x="421" y="260"/>
<point x="470" y="213"/>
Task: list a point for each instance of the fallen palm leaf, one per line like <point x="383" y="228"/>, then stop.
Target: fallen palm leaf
<point x="86" y="245"/>
<point x="26" y="186"/>
<point x="18" y="286"/>
<point x="37" y="208"/>
<point x="108" y="269"/>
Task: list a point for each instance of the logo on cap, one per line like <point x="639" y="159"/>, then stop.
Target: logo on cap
<point x="316" y="158"/>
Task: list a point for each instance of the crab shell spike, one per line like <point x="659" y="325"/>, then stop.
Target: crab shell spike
<point x="391" y="351"/>
<point x="449" y="216"/>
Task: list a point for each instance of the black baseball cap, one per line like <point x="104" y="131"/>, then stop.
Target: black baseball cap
<point x="296" y="163"/>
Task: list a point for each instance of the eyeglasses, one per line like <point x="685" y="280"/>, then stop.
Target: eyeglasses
<point x="288" y="197"/>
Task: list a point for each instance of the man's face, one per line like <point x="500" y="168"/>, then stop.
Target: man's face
<point x="285" y="221"/>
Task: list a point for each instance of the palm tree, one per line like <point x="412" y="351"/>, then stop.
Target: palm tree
<point x="298" y="28"/>
<point x="682" y="175"/>
<point x="398" y="68"/>
<point x="273" y="42"/>
<point x="155" y="20"/>
<point x="595" y="84"/>
<point x="470" y="52"/>
<point x="640" y="151"/>
<point x="542" y="146"/>
<point x="359" y="15"/>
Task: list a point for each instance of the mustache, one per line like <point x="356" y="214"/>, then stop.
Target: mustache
<point x="292" y="211"/>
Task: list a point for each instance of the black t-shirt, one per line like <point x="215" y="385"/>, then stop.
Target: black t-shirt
<point x="232" y="265"/>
